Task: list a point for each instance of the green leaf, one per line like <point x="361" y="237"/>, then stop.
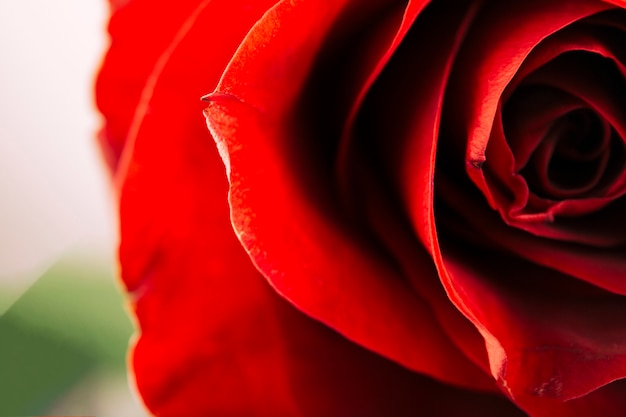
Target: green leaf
<point x="68" y="323"/>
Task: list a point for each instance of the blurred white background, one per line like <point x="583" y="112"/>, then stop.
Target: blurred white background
<point x="53" y="186"/>
<point x="55" y="199"/>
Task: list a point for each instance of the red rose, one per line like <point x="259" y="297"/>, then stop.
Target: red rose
<point x="433" y="190"/>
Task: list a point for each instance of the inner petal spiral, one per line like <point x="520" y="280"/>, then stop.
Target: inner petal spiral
<point x="545" y="149"/>
<point x="572" y="154"/>
<point x="557" y="148"/>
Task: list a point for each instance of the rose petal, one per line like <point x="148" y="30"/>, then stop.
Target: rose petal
<point x="129" y="62"/>
<point x="602" y="267"/>
<point x="607" y="401"/>
<point x="215" y="339"/>
<point x="201" y="77"/>
<point x="546" y="343"/>
<point x="288" y="222"/>
<point x="402" y="135"/>
<point x="512" y="30"/>
<point x="619" y="3"/>
<point x="413" y="260"/>
<point x="413" y="9"/>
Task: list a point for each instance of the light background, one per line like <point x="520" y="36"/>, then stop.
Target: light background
<point x="55" y="202"/>
<point x="52" y="182"/>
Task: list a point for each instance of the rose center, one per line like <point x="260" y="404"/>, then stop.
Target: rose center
<point x="571" y="158"/>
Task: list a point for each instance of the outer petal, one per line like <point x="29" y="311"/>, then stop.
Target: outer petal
<point x="215" y="339"/>
<point x="140" y="31"/>
<point x="288" y="221"/>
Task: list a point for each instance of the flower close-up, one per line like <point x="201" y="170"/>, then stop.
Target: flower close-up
<point x="371" y="208"/>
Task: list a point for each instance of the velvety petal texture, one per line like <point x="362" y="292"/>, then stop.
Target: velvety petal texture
<point x="132" y="64"/>
<point x="343" y="280"/>
<point x="215" y="339"/>
<point x="399" y="207"/>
